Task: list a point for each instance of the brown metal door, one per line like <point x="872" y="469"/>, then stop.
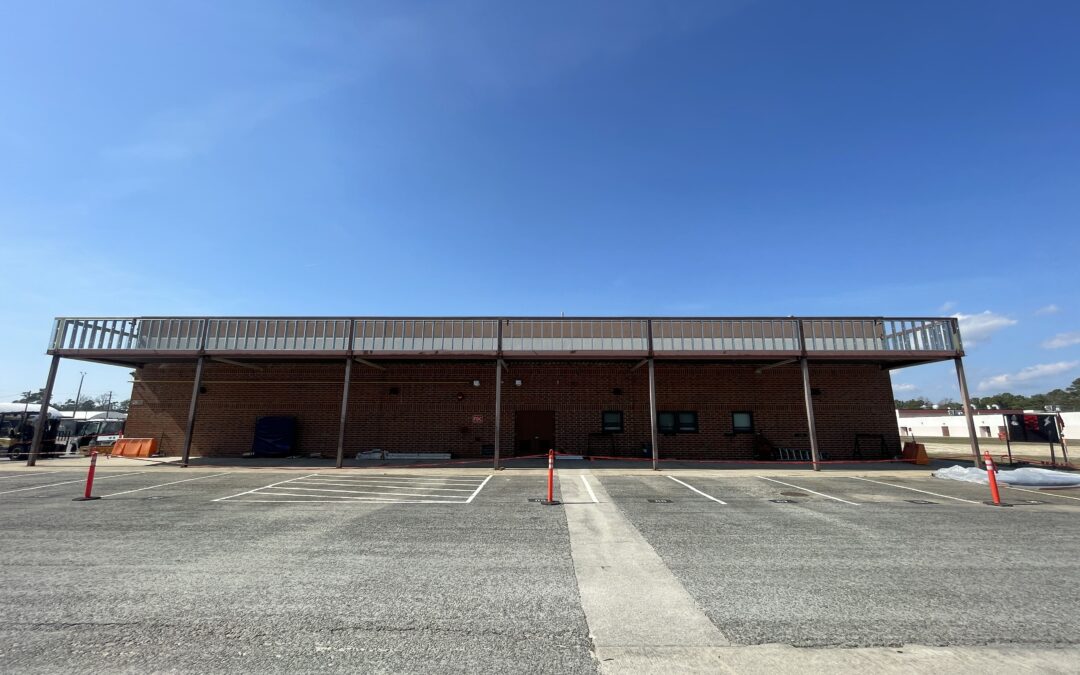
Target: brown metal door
<point x="534" y="431"/>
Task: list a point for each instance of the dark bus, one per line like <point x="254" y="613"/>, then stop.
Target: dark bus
<point x="17" y="434"/>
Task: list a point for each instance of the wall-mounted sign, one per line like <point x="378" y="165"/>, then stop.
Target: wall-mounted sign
<point x="477" y="419"/>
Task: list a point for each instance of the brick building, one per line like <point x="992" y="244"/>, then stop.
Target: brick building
<point x="673" y="388"/>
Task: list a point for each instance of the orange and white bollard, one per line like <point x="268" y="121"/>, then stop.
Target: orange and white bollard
<point x="89" y="480"/>
<point x="991" y="470"/>
<point x="550" y="501"/>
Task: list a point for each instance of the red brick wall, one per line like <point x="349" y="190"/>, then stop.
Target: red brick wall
<point x="435" y="404"/>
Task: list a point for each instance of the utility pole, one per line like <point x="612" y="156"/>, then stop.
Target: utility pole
<point x="74" y="413"/>
<point x="22" y="422"/>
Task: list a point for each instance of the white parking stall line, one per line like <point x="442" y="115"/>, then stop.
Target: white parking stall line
<point x="295" y="496"/>
<point x="589" y="489"/>
<point x="23" y="475"/>
<point x="69" y="482"/>
<point x="925" y="492"/>
<point x="282" y="482"/>
<point x="151" y="487"/>
<point x="313" y="481"/>
<point x="696" y="490"/>
<point x="273" y="492"/>
<point x="367" y="492"/>
<point x="481" y="487"/>
<point x="820" y="494"/>
<point x="406" y="479"/>
<point x="344" y="500"/>
<point x="1041" y="492"/>
<point x="330" y="488"/>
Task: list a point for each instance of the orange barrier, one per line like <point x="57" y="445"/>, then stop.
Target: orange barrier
<point x="915" y="452"/>
<point x="135" y="447"/>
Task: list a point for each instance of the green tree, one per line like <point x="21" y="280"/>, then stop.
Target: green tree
<point x="912" y="403"/>
<point x="1009" y="400"/>
<point x="31" y="396"/>
<point x="84" y="404"/>
<point x="1072" y="394"/>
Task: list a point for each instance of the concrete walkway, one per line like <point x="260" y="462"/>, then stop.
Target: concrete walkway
<point x="642" y="619"/>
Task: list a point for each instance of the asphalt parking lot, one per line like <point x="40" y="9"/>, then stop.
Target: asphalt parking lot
<point x="225" y="569"/>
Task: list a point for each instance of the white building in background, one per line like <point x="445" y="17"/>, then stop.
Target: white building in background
<point x="929" y="424"/>
<point x="31" y="409"/>
<point x="93" y="415"/>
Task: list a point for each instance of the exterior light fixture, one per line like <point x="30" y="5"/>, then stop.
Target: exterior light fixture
<point x="476" y="383"/>
<point x="517" y="383"/>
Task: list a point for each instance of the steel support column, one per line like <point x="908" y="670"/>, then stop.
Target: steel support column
<point x="191" y="411"/>
<point x="811" y="423"/>
<point x="652" y="416"/>
<point x="344" y="413"/>
<point x="43" y="416"/>
<point x="1059" y="424"/>
<point x="965" y="399"/>
<point x="498" y="408"/>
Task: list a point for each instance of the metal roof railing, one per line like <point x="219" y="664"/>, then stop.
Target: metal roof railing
<point x="512" y="336"/>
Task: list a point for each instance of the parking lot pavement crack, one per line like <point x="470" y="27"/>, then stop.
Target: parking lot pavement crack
<point x="632" y="601"/>
<point x="910" y="658"/>
<point x="61" y="625"/>
<point x="482" y="632"/>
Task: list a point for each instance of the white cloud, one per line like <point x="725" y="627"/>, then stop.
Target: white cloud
<point x="976" y="328"/>
<point x="947" y="307"/>
<point x="1062" y="340"/>
<point x="904" y="388"/>
<point x="1029" y="374"/>
<point x="1049" y="309"/>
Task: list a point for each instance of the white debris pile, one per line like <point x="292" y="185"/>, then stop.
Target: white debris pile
<point x="1026" y="476"/>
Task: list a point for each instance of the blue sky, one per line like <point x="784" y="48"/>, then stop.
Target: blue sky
<point x="489" y="157"/>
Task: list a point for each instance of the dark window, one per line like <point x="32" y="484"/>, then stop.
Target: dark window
<point x="677" y="422"/>
<point x="742" y="422"/>
<point x="687" y="422"/>
<point x="611" y="421"/>
<point x="665" y="422"/>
